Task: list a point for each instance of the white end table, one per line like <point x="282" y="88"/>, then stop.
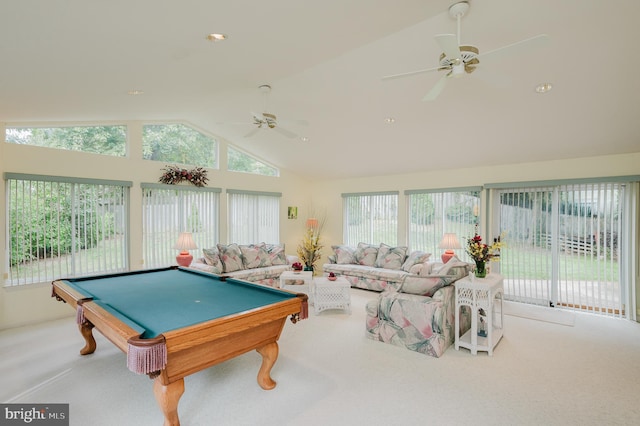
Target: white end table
<point x="305" y="276"/>
<point x="331" y="294"/>
<point x="485" y="294"/>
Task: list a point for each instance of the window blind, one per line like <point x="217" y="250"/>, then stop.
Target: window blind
<point x="169" y="210"/>
<point x="253" y="217"/>
<point x="65" y="227"/>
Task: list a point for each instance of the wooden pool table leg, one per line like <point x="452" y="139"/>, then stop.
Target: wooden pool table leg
<point x="269" y="354"/>
<point x="167" y="397"/>
<point x="86" y="329"/>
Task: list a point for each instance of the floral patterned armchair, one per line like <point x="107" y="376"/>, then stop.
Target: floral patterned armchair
<point x="419" y="319"/>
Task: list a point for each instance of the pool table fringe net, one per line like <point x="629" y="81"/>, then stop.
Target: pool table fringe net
<point x="149" y="358"/>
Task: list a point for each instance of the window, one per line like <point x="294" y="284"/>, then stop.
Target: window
<point x="241" y="162"/>
<point x="106" y="140"/>
<point x="435" y="212"/>
<point x="564" y="245"/>
<point x="177" y="143"/>
<point x="168" y="210"/>
<point x="65" y="227"/>
<point x="254" y="217"/>
<point x="370" y="218"/>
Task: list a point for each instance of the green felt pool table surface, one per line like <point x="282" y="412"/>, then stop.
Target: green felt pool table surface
<point x="158" y="301"/>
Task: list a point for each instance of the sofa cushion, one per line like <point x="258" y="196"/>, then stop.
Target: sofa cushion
<point x="212" y="258"/>
<point x="366" y="254"/>
<point x="231" y="257"/>
<point x="277" y="256"/>
<point x="254" y="256"/>
<point x="344" y="255"/>
<point x="390" y="257"/>
<point x="415" y="258"/>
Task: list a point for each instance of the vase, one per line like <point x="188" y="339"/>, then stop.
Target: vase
<point x="481" y="269"/>
<point x="308" y="268"/>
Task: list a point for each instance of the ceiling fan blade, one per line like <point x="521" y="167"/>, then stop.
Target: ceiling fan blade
<point x="285" y="132"/>
<point x="294" y="122"/>
<point x="410" y="73"/>
<point x="449" y="45"/>
<point x="522" y="46"/>
<point x="437" y="89"/>
<point x="253" y="132"/>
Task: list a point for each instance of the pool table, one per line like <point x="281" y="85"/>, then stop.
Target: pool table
<point x="174" y="321"/>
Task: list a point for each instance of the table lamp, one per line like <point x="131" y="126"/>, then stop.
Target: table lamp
<point x="449" y="242"/>
<point x="185" y="243"/>
<point x="312" y="223"/>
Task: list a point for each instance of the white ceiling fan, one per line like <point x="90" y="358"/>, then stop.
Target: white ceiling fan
<point x="267" y="120"/>
<point x="458" y="59"/>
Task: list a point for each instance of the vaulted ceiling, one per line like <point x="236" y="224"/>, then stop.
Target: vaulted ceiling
<point x="74" y="60"/>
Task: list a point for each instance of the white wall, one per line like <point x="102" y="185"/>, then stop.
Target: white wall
<point x="30" y="304"/>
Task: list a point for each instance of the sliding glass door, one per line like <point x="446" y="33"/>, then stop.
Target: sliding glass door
<point x="563" y="245"/>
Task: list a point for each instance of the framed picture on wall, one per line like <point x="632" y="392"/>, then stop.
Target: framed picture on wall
<point x="292" y="212"/>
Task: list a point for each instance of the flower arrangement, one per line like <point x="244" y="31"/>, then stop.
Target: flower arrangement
<point x="310" y="250"/>
<point x="481" y="252"/>
<point x="174" y="174"/>
<point x="296" y="266"/>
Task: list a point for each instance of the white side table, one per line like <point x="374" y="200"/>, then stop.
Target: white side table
<point x="485" y="294"/>
<point x="331" y="294"/>
<point x="305" y="276"/>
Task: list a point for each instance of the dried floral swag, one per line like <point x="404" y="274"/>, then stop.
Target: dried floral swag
<point x="173" y="175"/>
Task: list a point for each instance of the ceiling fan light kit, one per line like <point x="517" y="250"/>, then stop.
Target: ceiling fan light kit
<point x="457" y="59"/>
<point x="267" y="119"/>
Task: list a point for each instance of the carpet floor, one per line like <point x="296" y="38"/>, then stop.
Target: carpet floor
<point x="328" y="372"/>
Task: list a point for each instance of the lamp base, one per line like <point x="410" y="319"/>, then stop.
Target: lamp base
<point x="447" y="255"/>
<point x="184" y="258"/>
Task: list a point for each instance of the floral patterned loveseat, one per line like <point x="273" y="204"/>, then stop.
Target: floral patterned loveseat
<point x="420" y="314"/>
<point x="260" y="263"/>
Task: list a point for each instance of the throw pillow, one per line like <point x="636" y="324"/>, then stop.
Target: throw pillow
<point x="416" y="269"/>
<point x="430" y="268"/>
<point x="254" y="256"/>
<point x="422" y="286"/>
<point x="454" y="262"/>
<point x="231" y="257"/>
<point x="276" y="254"/>
<point x="212" y="258"/>
<point x="390" y="257"/>
<point x="344" y="255"/>
<point x="366" y="254"/>
<point x="415" y="258"/>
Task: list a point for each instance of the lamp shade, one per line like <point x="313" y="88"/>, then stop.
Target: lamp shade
<point x="449" y="242"/>
<point x="185" y="242"/>
<point x="312" y="223"/>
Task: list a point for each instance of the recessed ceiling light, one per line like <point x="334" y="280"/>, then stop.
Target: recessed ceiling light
<point x="304" y="139"/>
<point x="135" y="92"/>
<point x="544" y="87"/>
<point x="216" y="37"/>
<point x="389" y="120"/>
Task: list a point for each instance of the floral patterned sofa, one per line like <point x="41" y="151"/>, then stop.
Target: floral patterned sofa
<point x="260" y="263"/>
<point x="374" y="267"/>
<point x="420" y="314"/>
